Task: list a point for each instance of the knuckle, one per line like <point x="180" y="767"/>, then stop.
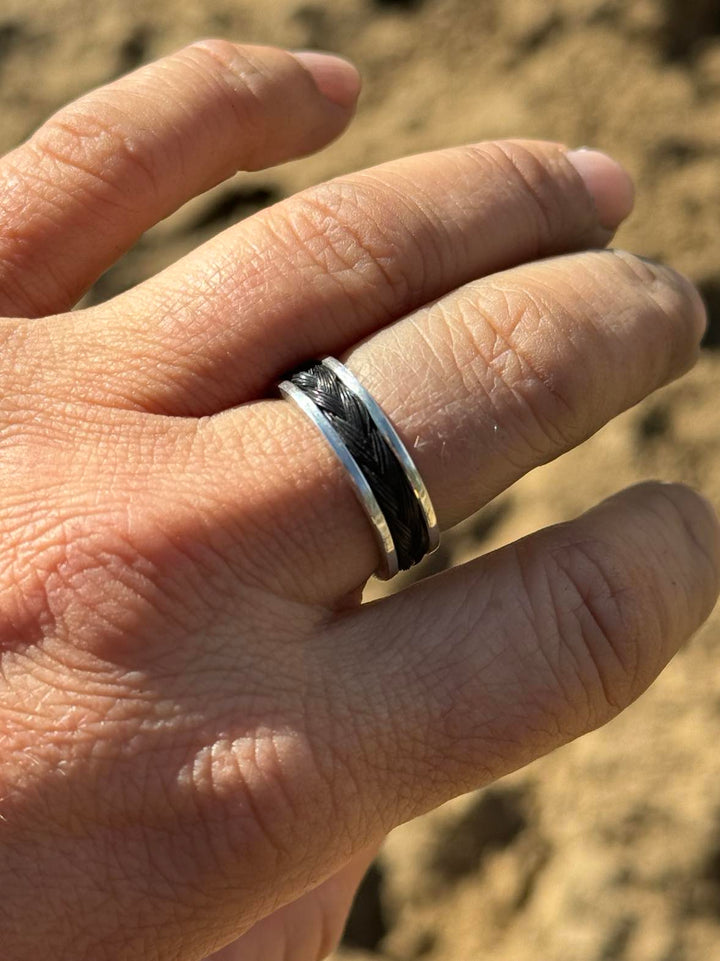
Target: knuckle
<point x="23" y="395"/>
<point x="344" y="230"/>
<point x="216" y="51"/>
<point x="545" y="196"/>
<point x="496" y="328"/>
<point x="96" y="142"/>
<point x="664" y="299"/>
<point x="697" y="516"/>
<point x="243" y="66"/>
<point x="84" y="572"/>
<point x="666" y="293"/>
<point x="633" y="268"/>
<point x="235" y="70"/>
<point x="591" y="622"/>
<point x="252" y="85"/>
<point x="687" y="535"/>
<point x="671" y="295"/>
<point x="80" y="560"/>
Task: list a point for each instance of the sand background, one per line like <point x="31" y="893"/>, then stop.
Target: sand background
<point x="609" y="849"/>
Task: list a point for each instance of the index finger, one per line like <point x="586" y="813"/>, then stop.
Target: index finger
<point x="110" y="165"/>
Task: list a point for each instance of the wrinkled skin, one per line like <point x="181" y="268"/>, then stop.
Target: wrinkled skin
<point x="203" y="735"/>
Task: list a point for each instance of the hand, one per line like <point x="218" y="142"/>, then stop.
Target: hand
<point x="203" y="734"/>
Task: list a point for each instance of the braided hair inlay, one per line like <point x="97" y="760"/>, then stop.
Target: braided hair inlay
<point x="383" y="471"/>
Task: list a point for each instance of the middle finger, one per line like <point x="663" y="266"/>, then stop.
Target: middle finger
<point x="326" y="268"/>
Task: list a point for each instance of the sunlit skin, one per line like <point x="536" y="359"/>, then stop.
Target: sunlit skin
<point x="203" y="735"/>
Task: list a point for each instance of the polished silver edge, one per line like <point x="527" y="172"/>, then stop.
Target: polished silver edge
<point x="392" y="439"/>
<point x="389" y="561"/>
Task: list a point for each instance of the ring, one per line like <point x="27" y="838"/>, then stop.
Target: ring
<point x="385" y="479"/>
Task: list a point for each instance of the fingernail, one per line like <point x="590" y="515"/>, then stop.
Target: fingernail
<point x="337" y="79"/>
<point x="609" y="185"/>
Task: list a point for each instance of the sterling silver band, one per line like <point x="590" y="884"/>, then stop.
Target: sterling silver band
<point x="389" y="561"/>
<point x="391" y="438"/>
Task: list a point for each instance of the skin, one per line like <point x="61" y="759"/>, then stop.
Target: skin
<point x="203" y="735"/>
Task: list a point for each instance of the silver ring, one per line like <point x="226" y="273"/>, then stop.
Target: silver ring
<point x="392" y="439"/>
<point x="385" y="479"/>
<point x="389" y="561"/>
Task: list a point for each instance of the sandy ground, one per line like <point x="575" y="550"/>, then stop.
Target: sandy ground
<point x="609" y="849"/>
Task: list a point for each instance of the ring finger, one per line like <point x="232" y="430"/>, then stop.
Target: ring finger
<point x="498" y="377"/>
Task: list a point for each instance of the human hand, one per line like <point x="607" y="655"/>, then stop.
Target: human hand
<point x="204" y="735"/>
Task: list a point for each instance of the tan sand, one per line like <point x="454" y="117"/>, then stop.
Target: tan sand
<point x="608" y="850"/>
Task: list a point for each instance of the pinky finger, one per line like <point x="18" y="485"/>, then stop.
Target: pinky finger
<point x="478" y="671"/>
<point x="313" y="924"/>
